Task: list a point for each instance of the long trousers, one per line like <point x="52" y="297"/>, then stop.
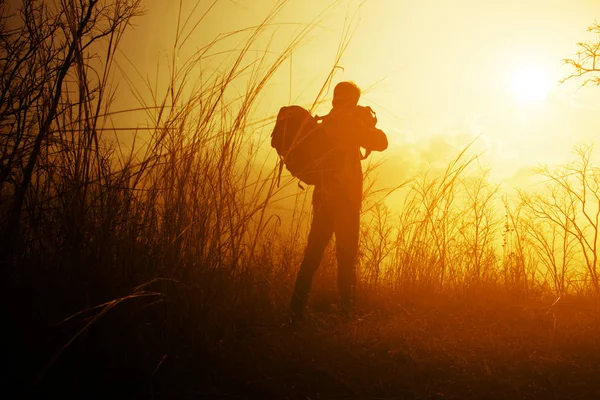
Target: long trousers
<point x="333" y="213"/>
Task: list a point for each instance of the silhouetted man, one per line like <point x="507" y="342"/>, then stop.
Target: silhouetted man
<point x="337" y="200"/>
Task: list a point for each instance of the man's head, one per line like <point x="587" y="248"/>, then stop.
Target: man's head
<point x="345" y="94"/>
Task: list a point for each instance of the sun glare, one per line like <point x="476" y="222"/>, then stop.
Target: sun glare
<point x="529" y="85"/>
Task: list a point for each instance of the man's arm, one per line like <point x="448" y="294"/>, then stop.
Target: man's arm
<point x="371" y="138"/>
<point x="368" y="136"/>
<point x="356" y="129"/>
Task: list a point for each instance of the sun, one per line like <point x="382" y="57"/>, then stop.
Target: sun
<point x="529" y="85"/>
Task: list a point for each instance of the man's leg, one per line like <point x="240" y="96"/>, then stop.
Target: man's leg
<point x="347" y="225"/>
<point x="321" y="230"/>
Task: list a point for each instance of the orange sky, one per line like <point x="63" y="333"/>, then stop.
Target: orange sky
<point x="438" y="72"/>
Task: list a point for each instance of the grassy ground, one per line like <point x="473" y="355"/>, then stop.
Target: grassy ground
<point x="490" y="345"/>
<point x="416" y="348"/>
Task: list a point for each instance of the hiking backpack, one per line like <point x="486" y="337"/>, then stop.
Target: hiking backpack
<point x="300" y="141"/>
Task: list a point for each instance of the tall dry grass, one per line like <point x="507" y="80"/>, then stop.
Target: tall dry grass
<point x="177" y="212"/>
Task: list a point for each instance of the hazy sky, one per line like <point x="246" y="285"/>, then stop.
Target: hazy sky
<point x="437" y="72"/>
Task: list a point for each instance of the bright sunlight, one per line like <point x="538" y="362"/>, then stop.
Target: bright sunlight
<point x="529" y="84"/>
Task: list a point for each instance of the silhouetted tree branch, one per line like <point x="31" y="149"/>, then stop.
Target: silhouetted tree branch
<point x="570" y="211"/>
<point x="587" y="61"/>
<point x="43" y="60"/>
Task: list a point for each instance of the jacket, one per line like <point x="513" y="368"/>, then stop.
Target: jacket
<point x="350" y="129"/>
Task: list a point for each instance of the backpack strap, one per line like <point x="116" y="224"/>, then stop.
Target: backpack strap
<point x="280" y="170"/>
